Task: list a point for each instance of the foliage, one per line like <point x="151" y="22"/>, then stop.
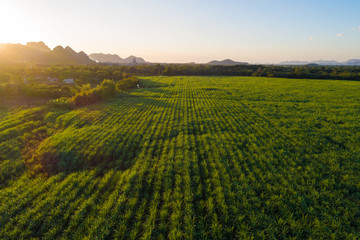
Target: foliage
<point x="51" y="91"/>
<point x="193" y="158"/>
<point x="95" y="74"/>
<point x="87" y="95"/>
<point x="61" y="103"/>
<point x="127" y="83"/>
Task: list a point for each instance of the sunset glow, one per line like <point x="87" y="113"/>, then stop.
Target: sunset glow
<point x="187" y="31"/>
<point x="15" y="25"/>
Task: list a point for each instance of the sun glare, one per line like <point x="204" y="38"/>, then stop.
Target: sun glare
<point x="14" y="26"/>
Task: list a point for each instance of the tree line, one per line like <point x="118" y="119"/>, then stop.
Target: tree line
<point x="95" y="74"/>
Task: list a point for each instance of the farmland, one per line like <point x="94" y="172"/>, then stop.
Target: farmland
<point x="187" y="158"/>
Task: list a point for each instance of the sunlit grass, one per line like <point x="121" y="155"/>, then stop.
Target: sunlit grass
<point x="193" y="158"/>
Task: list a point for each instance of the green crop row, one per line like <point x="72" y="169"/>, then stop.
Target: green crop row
<point x="195" y="158"/>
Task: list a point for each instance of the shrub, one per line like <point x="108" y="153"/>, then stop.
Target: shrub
<point x="62" y="103"/>
<point x="87" y="96"/>
<point x="127" y="83"/>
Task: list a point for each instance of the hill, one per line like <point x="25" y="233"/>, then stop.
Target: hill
<point x="39" y="53"/>
<point x="115" y="59"/>
<point x="351" y="62"/>
<point x="226" y="62"/>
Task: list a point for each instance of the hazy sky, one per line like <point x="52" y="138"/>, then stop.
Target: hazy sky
<point x="257" y="31"/>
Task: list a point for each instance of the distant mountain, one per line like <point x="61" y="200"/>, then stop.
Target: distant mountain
<point x="67" y="55"/>
<point x="285" y="63"/>
<point x="350" y="62"/>
<point x="133" y="59"/>
<point x="226" y="62"/>
<point x="39" y="53"/>
<point x="38" y="46"/>
<point x="115" y="59"/>
<point x="312" y="65"/>
<point x="105" y="58"/>
<point x="327" y="63"/>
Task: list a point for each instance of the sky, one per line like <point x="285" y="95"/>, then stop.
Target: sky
<point x="180" y="31"/>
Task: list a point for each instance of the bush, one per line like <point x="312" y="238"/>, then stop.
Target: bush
<point x="62" y="103"/>
<point x="87" y="96"/>
<point x="127" y="83"/>
<point x="107" y="89"/>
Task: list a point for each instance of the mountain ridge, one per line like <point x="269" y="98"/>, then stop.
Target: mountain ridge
<point x="40" y="53"/>
<point x="226" y="62"/>
<point x="115" y="59"/>
<point x="350" y="62"/>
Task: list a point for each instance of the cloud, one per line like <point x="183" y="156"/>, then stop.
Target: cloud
<point x="353" y="29"/>
<point x="311" y="38"/>
<point x="340" y="35"/>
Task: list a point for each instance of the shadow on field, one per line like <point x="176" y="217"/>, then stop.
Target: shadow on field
<point x="151" y="97"/>
<point x="52" y="161"/>
<point x="147" y="83"/>
<point x="68" y="151"/>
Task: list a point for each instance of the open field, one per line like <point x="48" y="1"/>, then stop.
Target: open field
<point x="188" y="158"/>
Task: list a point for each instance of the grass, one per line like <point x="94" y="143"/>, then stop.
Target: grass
<point x="191" y="157"/>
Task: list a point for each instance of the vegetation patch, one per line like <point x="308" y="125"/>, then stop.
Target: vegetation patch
<point x="181" y="161"/>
